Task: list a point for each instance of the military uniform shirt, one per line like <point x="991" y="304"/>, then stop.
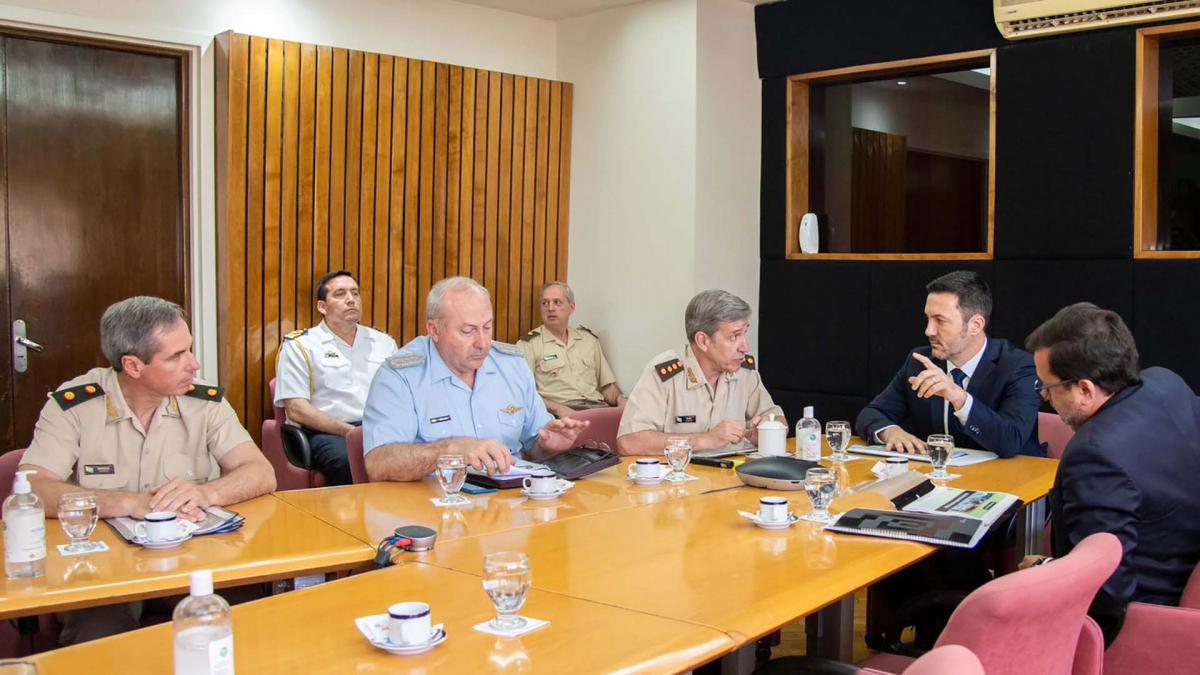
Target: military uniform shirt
<point x="416" y="399"/>
<point x="333" y="376"/>
<point x="672" y="395"/>
<point x="576" y="371"/>
<point x="99" y="443"/>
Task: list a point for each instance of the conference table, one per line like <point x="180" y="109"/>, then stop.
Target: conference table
<point x="277" y="541"/>
<point x="669" y="575"/>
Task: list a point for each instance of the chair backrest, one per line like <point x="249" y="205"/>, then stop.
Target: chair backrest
<point x="354" y="453"/>
<point x="602" y="425"/>
<point x="9" y="462"/>
<point x="1054" y="433"/>
<point x="946" y="659"/>
<point x="278" y="411"/>
<point x="1029" y="621"/>
<point x="1191" y="592"/>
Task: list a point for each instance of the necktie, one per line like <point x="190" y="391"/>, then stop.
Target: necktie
<point x="959" y="376"/>
<point x="955" y="428"/>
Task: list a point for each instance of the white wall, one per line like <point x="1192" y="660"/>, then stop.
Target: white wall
<point x="633" y="157"/>
<point x="665" y="167"/>
<point x="439" y="30"/>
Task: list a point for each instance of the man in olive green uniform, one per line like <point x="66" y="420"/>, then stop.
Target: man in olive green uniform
<point x="142" y="437"/>
<point x="710" y="392"/>
<point x="567" y="362"/>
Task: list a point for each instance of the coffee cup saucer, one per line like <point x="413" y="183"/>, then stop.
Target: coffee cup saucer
<point x="563" y="486"/>
<point x="792" y="519"/>
<point x="436" y="637"/>
<point x="646" y="481"/>
<point x="162" y="544"/>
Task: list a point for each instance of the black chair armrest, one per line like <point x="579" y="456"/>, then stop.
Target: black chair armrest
<point x="295" y="446"/>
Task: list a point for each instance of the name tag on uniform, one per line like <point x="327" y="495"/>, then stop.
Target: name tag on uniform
<point x="438" y="420"/>
<point x="99" y="469"/>
<point x="551" y="356"/>
<point x="685" y="419"/>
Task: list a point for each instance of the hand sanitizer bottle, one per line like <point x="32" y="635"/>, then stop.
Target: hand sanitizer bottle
<point x="808" y="437"/>
<point x="24" y="531"/>
<point x="203" y="626"/>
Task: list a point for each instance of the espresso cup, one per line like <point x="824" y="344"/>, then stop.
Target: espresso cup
<point x="158" y="526"/>
<point x="541" y="482"/>
<point x="897" y="466"/>
<point x="646" y="468"/>
<point x="409" y="623"/>
<point x="773" y="509"/>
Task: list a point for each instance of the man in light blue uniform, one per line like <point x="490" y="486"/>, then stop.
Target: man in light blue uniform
<point x="454" y="391"/>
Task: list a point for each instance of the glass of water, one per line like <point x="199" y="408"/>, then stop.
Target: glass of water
<point x="77" y="513"/>
<point x="506" y="579"/>
<point x="838" y="435"/>
<point x="451" y="473"/>
<point x="939" y="447"/>
<point x="821" y="485"/>
<point x="679" y="453"/>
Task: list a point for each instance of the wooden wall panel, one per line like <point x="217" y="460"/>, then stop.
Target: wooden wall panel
<point x="399" y="170"/>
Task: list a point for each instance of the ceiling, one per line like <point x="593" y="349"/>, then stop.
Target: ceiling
<point x="562" y="9"/>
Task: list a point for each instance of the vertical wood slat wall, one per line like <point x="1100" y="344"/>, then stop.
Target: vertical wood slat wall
<point x="402" y="171"/>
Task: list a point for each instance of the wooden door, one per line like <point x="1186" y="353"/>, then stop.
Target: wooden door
<point x="94" y="171"/>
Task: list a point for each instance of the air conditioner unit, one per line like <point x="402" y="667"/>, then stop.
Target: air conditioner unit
<point x="1018" y="19"/>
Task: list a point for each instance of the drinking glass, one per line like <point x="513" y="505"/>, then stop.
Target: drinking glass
<point x="15" y="667"/>
<point x="838" y="435"/>
<point x="507" y="578"/>
<point x="451" y="472"/>
<point x="77" y="513"/>
<point x="679" y="453"/>
<point x="939" y="447"/>
<point x="821" y="485"/>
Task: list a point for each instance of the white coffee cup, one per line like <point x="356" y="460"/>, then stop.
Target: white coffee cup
<point x="897" y="466"/>
<point x="158" y="526"/>
<point x="409" y="623"/>
<point x="773" y="509"/>
<point x="772" y="437"/>
<point x="541" y="482"/>
<point x="646" y="468"/>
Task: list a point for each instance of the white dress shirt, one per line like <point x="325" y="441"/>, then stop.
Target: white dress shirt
<point x="332" y="375"/>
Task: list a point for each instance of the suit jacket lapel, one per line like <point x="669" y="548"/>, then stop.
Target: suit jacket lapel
<point x="984" y="370"/>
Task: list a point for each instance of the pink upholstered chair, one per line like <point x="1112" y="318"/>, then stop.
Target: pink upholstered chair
<point x="602" y="425"/>
<point x="9" y="462"/>
<point x="1054" y="433"/>
<point x="1029" y="621"/>
<point x="354" y="452"/>
<point x="944" y="660"/>
<point x="1157" y="638"/>
<point x="288" y="475"/>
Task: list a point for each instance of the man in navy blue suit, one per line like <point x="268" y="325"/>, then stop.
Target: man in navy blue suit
<point x="975" y="388"/>
<point x="1131" y="467"/>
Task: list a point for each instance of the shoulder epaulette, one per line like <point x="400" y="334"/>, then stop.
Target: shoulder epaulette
<point x="73" y="396"/>
<point x="530" y="335"/>
<point x="506" y="348"/>
<point x="748" y="362"/>
<point x="402" y="359"/>
<point x="668" y="369"/>
<point x="295" y="334"/>
<point x="589" y="331"/>
<point x="207" y="392"/>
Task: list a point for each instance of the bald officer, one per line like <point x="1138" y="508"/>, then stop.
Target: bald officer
<point x="454" y="391"/>
<point x="322" y="375"/>
<point x="567" y="362"/>
<point x="710" y="392"/>
<point x="142" y="437"/>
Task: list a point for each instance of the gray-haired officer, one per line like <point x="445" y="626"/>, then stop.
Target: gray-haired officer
<point x="455" y="391"/>
<point x="710" y="392"/>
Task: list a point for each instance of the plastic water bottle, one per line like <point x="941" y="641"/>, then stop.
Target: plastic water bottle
<point x="808" y="436"/>
<point x="24" y="531"/>
<point x="203" y="626"/>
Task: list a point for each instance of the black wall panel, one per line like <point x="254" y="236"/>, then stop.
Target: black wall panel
<point x="1031" y="291"/>
<point x="825" y="406"/>
<point x="1166" y="319"/>
<point x="773" y="194"/>
<point x="1064" y="147"/>
<point x="814" y="334"/>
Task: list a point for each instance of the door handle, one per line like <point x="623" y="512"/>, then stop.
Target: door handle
<point x="21" y="347"/>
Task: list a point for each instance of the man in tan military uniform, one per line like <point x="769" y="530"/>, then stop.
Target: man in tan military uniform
<point x="567" y="362"/>
<point x="142" y="437"/>
<point x="710" y="392"/>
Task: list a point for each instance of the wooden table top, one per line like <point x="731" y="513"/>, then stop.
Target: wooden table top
<point x="278" y="540"/>
<point x="313" y="631"/>
<point x="371" y="511"/>
<point x="696" y="560"/>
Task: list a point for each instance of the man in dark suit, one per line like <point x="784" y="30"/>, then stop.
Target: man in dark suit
<point x="1131" y="466"/>
<point x="975" y="388"/>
